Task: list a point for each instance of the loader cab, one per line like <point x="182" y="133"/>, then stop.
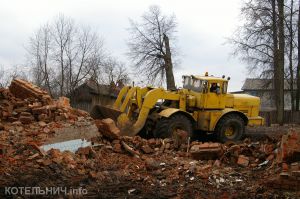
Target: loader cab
<point x="197" y="85"/>
<point x="212" y="90"/>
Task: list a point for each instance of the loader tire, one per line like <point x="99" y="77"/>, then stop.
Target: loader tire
<point x="167" y="127"/>
<point x="230" y="128"/>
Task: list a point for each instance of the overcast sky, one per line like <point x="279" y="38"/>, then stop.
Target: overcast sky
<point x="203" y="26"/>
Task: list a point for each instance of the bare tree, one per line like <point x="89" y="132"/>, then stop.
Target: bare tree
<point x="115" y="72"/>
<point x="63" y="55"/>
<point x="253" y="41"/>
<point x="62" y="31"/>
<point x="7" y="75"/>
<point x="81" y="56"/>
<point x="2" y="76"/>
<point x="291" y="26"/>
<point x="261" y="43"/>
<point x="39" y="51"/>
<point x="298" y="66"/>
<point x="150" y="45"/>
<point x="279" y="70"/>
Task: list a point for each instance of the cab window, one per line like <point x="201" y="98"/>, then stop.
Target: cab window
<point x="199" y="85"/>
<point x="187" y="82"/>
<point x="214" y="87"/>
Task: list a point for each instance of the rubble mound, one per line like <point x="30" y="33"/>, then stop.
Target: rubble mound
<point x="27" y="103"/>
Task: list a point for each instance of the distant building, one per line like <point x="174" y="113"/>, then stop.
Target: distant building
<point x="264" y="89"/>
<point x="90" y="93"/>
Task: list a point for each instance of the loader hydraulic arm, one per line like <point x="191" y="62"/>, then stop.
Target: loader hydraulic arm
<point x="150" y="100"/>
<point x="134" y="92"/>
<point x="121" y="94"/>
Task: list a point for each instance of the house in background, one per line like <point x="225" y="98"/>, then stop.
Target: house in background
<point x="264" y="89"/>
<point x="90" y="93"/>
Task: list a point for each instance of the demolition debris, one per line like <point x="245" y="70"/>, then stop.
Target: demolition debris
<point x="46" y="143"/>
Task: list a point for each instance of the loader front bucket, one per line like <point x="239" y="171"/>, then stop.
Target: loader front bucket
<point x="102" y="112"/>
<point x="121" y="119"/>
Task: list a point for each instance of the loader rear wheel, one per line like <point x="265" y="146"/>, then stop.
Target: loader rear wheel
<point x="230" y="128"/>
<point x="170" y="127"/>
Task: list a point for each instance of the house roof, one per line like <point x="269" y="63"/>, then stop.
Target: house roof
<point x="263" y="84"/>
<point x="101" y="89"/>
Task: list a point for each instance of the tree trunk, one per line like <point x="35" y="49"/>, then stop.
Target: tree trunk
<point x="298" y="66"/>
<point x="291" y="59"/>
<point x="62" y="71"/>
<point x="169" y="65"/>
<point x="275" y="51"/>
<point x="280" y="90"/>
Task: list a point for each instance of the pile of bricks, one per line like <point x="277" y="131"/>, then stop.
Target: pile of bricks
<point x="288" y="158"/>
<point x="290" y="148"/>
<point x="27" y="103"/>
<point x="24" y="90"/>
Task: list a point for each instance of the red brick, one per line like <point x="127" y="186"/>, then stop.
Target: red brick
<point x="1" y="127"/>
<point x="84" y="150"/>
<point x="26" y="114"/>
<point x="270" y="157"/>
<point x="206" y="151"/>
<point x="285" y="167"/>
<point x="243" y="161"/>
<point x="108" y="128"/>
<point x="217" y="163"/>
<point x="203" y="146"/>
<point x="63" y="102"/>
<point x="296" y="173"/>
<point x="151" y="164"/>
<point x="267" y="148"/>
<point x="147" y="149"/>
<point x="284" y="175"/>
<point x="117" y="148"/>
<point x="5" y="114"/>
<point x="116" y="142"/>
<point x="152" y="142"/>
<point x="42" y="117"/>
<point x="99" y="124"/>
<point x="40" y="110"/>
<point x="295" y="166"/>
<point x="12" y="119"/>
<point x="47" y="162"/>
<point x="290" y="147"/>
<point x="26" y="119"/>
<point x="54" y="153"/>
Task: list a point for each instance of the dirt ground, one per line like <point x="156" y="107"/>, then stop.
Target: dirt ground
<point x="106" y="172"/>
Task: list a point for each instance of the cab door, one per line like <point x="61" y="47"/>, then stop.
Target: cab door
<point x="215" y="99"/>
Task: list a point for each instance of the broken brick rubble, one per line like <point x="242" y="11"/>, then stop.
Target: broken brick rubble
<point x="108" y="128"/>
<point x="134" y="165"/>
<point x="206" y="150"/>
<point x="23" y="90"/>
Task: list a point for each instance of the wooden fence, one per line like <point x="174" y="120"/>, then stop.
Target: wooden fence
<point x="86" y="106"/>
<point x="288" y="118"/>
<point x="96" y="100"/>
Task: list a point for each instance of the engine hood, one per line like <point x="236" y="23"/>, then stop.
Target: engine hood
<point x="245" y="100"/>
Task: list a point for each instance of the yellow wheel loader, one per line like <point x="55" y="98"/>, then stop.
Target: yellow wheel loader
<point x="202" y="104"/>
